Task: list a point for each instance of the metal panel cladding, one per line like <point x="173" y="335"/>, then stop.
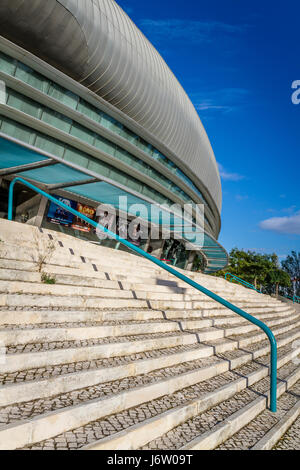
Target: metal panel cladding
<point x="96" y="43"/>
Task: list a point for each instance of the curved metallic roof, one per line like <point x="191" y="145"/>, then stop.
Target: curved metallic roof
<point x="97" y="44"/>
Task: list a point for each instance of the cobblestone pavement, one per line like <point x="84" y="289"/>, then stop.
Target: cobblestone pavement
<point x="291" y="439"/>
<point x="180" y="435"/>
<point x="265" y="342"/>
<point x="192" y="428"/>
<point x="56" y="370"/>
<point x="33" y="408"/>
<point x="288" y="325"/>
<point x="82" y="324"/>
<point x="256" y="430"/>
<point x="51" y="345"/>
<point x="120" y="421"/>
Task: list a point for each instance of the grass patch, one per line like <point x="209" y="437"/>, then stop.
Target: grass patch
<point x="47" y="279"/>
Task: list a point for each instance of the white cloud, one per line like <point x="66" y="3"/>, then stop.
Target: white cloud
<point x="189" y="30"/>
<point x="288" y="225"/>
<point x="227" y="176"/>
<point x="240" y="197"/>
<point x="221" y="101"/>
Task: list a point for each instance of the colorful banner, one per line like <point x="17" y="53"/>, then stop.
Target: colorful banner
<point x="80" y="224"/>
<point x="58" y="215"/>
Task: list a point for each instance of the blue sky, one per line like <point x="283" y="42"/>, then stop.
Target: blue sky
<point x="237" y="61"/>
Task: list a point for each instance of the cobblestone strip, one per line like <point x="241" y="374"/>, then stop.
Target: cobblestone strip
<point x="82" y="324"/>
<point x="51" y="345"/>
<point x="112" y="424"/>
<point x="39" y="347"/>
<point x="11" y="414"/>
<point x="57" y="370"/>
<point x="254" y="431"/>
<point x="288" y="334"/>
<point x="291" y="439"/>
<point x="288" y="326"/>
<point x="192" y="428"/>
<point x="68" y="368"/>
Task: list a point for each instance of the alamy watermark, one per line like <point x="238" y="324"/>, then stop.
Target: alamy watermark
<point x="2" y="92"/>
<point x="296" y="94"/>
<point x="151" y="221"/>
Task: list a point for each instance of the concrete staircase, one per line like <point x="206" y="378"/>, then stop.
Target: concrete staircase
<point x="118" y="354"/>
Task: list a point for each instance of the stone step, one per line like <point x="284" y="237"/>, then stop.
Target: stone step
<point x="99" y="372"/>
<point x="82" y="302"/>
<point x="36" y="383"/>
<point x="35" y="355"/>
<point x="64" y="275"/>
<point x="264" y="431"/>
<point x="20" y="278"/>
<point x="14" y="275"/>
<point x="16" y="287"/>
<point x="43" y="425"/>
<point x="48" y="251"/>
<point x="45" y="354"/>
<point x="138" y="300"/>
<point x="39" y="317"/>
<point x="125" y="270"/>
<point x="87" y="282"/>
<point x="252" y="337"/>
<point x="27" y="301"/>
<point x="290" y="440"/>
<point x="17" y="319"/>
<point x="208" y="430"/>
<point x="18" y="336"/>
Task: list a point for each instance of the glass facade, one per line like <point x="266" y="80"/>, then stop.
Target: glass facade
<point x="27" y="75"/>
<point x="79" y="138"/>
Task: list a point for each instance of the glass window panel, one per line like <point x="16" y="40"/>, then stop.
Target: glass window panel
<point x="75" y="156"/>
<point x="17" y="130"/>
<point x="83" y="134"/>
<point x="118" y="176"/>
<point x="111" y="123"/>
<point x="7" y="64"/>
<point x="34" y="79"/>
<point x="64" y="96"/>
<point x="142" y="144"/>
<point x="56" y="120"/>
<point x="123" y="155"/>
<point x="134" y="184"/>
<point x="138" y="165"/>
<point x="89" y="110"/>
<point x="100" y="168"/>
<point x="50" y="145"/>
<point x="128" y="135"/>
<point x="104" y="145"/>
<point x="23" y="104"/>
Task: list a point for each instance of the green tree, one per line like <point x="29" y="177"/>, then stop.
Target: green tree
<point x="278" y="277"/>
<point x="257" y="269"/>
<point x="292" y="266"/>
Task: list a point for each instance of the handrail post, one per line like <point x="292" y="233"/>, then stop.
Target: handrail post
<point x="166" y="267"/>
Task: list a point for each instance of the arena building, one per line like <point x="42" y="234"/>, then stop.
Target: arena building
<point x="92" y="113"/>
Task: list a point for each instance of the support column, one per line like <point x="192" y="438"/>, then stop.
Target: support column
<point x="190" y="261"/>
<point x="156" y="247"/>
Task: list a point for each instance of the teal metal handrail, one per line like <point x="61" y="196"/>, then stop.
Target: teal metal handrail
<point x="166" y="267"/>
<point x="242" y="281"/>
<point x="294" y="298"/>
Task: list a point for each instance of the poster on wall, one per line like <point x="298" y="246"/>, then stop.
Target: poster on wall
<point x="80" y="224"/>
<point x="59" y="215"/>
